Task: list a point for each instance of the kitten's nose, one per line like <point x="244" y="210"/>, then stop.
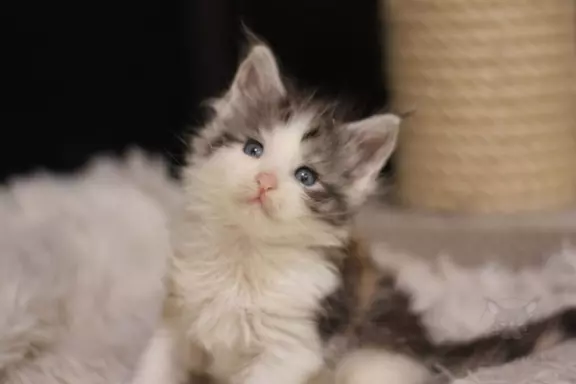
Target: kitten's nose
<point x="266" y="181"/>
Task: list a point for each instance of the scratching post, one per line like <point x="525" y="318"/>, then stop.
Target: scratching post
<point x="493" y="87"/>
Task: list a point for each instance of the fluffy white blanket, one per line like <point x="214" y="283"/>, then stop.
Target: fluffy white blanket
<point x="81" y="261"/>
<point x="82" y="258"/>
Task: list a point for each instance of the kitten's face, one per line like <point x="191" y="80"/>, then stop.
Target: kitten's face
<point x="268" y="161"/>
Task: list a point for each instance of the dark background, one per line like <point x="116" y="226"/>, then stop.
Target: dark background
<point x="100" y="77"/>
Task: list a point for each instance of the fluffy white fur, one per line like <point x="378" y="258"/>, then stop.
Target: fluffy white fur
<point x="80" y="268"/>
<point x="374" y="366"/>
<point x="556" y="366"/>
<point x="218" y="189"/>
<point x="377" y="366"/>
<point x="249" y="285"/>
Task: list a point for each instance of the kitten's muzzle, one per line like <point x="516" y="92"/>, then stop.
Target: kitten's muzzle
<point x="267" y="181"/>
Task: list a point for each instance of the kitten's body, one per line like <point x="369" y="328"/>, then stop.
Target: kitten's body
<point x="370" y="314"/>
<point x="243" y="306"/>
<point x="272" y="185"/>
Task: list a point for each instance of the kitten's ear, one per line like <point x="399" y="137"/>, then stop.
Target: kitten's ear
<point x="370" y="142"/>
<point x="258" y="77"/>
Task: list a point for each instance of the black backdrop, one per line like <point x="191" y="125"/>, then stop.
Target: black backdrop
<point x="100" y="77"/>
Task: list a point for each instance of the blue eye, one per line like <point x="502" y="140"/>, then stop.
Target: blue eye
<point x="306" y="176"/>
<point x="253" y="148"/>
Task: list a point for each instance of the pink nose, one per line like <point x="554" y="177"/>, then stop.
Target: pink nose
<point x="266" y="181"/>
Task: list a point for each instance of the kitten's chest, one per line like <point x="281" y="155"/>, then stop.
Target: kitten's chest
<point x="240" y="294"/>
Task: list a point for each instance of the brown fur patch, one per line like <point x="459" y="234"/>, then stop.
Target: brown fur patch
<point x="367" y="275"/>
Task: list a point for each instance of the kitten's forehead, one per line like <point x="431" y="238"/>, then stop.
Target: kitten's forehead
<point x="308" y="137"/>
<point x="283" y="141"/>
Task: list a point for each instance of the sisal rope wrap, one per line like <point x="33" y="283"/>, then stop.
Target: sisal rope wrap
<point x="493" y="86"/>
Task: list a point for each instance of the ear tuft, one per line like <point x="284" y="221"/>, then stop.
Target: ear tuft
<point x="258" y="77"/>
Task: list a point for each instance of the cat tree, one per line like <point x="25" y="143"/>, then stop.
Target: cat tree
<point x="493" y="87"/>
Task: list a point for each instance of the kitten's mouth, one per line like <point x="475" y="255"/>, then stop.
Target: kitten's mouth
<point x="261" y="201"/>
<point x="260" y="198"/>
<point x="257" y="200"/>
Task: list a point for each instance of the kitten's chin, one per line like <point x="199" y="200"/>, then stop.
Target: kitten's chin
<point x="263" y="222"/>
<point x="263" y="206"/>
<point x="269" y="206"/>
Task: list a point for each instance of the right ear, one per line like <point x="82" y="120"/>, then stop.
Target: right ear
<point x="372" y="141"/>
<point x="258" y="78"/>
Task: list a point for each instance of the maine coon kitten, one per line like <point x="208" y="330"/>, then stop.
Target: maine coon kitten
<point x="267" y="282"/>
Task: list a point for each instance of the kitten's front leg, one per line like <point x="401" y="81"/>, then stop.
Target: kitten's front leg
<point x="278" y="365"/>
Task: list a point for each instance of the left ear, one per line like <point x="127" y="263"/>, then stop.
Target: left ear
<point x="371" y="142"/>
<point x="258" y="77"/>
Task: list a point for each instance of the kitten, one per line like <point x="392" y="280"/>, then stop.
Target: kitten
<point x="264" y="257"/>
